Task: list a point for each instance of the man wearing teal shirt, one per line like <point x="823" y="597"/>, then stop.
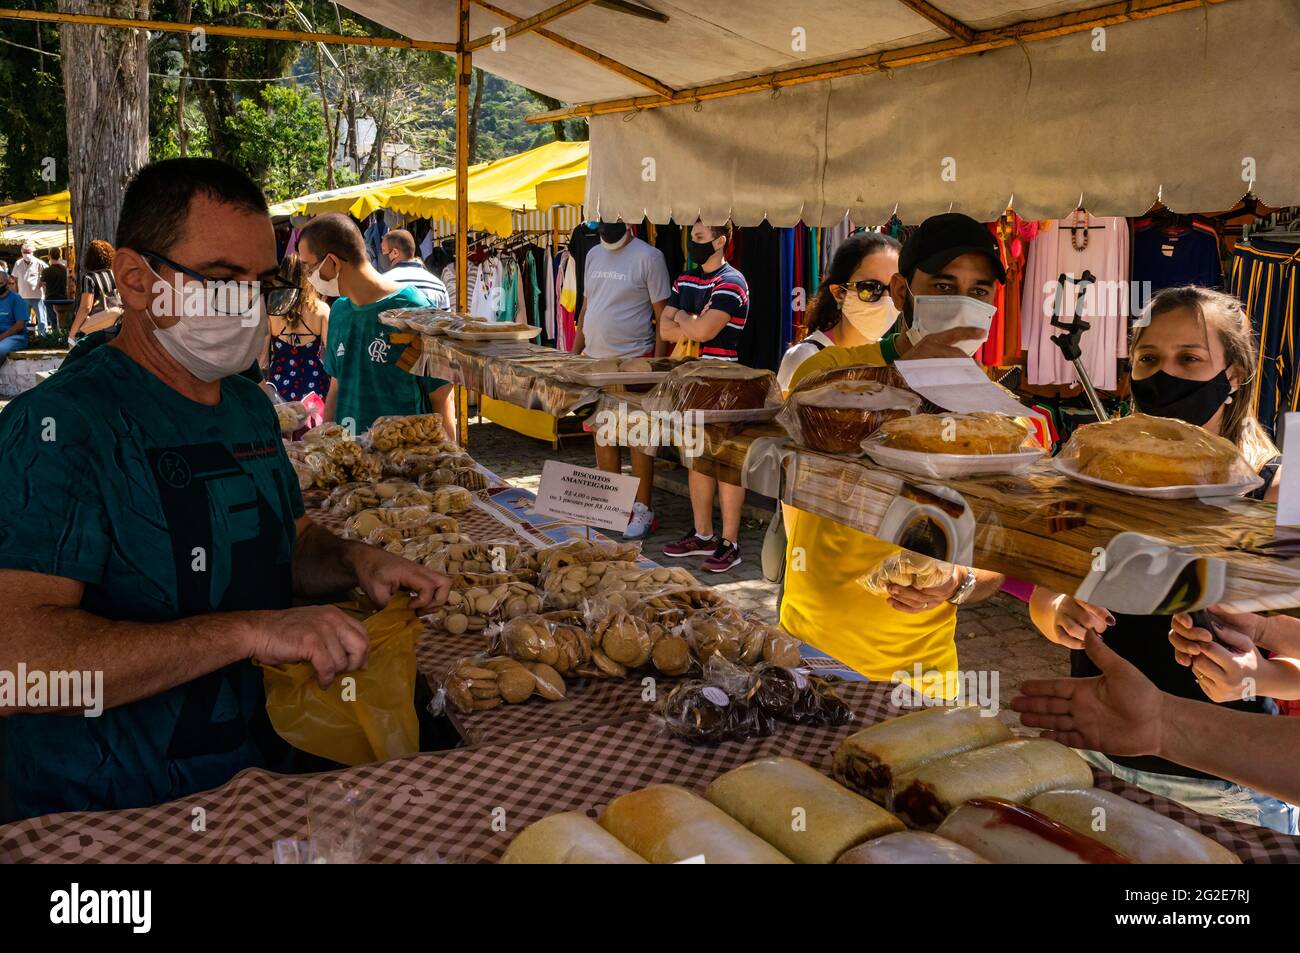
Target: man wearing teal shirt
<point x="156" y="538"/>
<point x="358" y="354"/>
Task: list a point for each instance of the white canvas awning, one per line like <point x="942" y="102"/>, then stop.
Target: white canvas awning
<point x="1190" y="105"/>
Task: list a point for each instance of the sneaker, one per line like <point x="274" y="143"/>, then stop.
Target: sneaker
<point x="642" y="523"/>
<point x="692" y="544"/>
<point x="726" y="556"/>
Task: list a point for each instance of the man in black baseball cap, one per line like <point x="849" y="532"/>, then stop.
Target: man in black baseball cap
<point x="948" y="272"/>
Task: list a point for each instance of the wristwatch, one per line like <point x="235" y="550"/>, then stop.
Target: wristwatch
<point x="964" y="588"/>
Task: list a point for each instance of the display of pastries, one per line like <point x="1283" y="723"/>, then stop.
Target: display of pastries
<point x="974" y="433"/>
<point x="835" y="417"/>
<point x="666" y="824"/>
<point x="1008" y="833"/>
<point x="718" y="386"/>
<point x="1153" y="451"/>
<point x="568" y="838"/>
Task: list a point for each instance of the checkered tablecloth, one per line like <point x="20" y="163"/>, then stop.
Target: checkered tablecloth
<point x="465" y="805"/>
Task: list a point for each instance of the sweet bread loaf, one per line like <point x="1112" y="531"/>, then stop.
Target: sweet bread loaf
<point x="835" y="417"/>
<point x="869" y="761"/>
<point x="666" y="824"/>
<point x="770" y="796"/>
<point x="1008" y="833"/>
<point x="568" y="838"/>
<point x="975" y="433"/>
<point x="1153" y="451"/>
<point x="1137" y="832"/>
<point x="1013" y="770"/>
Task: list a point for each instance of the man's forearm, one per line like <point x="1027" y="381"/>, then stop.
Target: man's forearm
<point x="138" y="659"/>
<point x="987" y="585"/>
<point x="322" y="562"/>
<point x="1251" y="749"/>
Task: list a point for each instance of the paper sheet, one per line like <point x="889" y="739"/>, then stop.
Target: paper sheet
<point x="959" y="385"/>
<point x="1288" y="500"/>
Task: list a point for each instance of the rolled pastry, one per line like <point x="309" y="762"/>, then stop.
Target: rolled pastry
<point x="1014" y="770"/>
<point x="666" y="823"/>
<point x="1135" y="831"/>
<point x="1009" y="833"/>
<point x="868" y="761"/>
<point x="798" y="810"/>
<point x="910" y="847"/>
<point x="569" y="838"/>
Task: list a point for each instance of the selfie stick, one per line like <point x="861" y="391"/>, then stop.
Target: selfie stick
<point x="1074" y="328"/>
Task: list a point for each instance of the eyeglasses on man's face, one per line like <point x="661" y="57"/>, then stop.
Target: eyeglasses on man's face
<point x="231" y="296"/>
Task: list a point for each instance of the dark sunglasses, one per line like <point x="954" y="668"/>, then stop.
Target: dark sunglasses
<point x="869" y="290"/>
<point x="227" y="296"/>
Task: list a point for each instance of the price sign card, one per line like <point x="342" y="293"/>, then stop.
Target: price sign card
<point x="587" y="497"/>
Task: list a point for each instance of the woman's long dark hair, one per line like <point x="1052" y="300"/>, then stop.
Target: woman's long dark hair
<point x="824" y="313"/>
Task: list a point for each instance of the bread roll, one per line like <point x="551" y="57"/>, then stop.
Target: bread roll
<point x="910" y="847"/>
<point x="774" y="796"/>
<point x="1009" y="833"/>
<point x="1015" y="770"/>
<point x="569" y="838"/>
<point x="973" y="433"/>
<point x="666" y="824"/>
<point x="1135" y="831"/>
<point x="869" y="761"/>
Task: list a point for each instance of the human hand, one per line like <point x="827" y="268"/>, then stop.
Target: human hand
<point x="1227" y="670"/>
<point x="939" y="344"/>
<point x="332" y="641"/>
<point x="1073" y="619"/>
<point x="917" y="599"/>
<point x="380" y="574"/>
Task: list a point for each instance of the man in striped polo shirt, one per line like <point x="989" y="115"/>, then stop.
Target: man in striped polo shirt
<point x="709" y="305"/>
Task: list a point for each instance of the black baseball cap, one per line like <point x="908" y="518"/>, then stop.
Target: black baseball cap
<point x="941" y="238"/>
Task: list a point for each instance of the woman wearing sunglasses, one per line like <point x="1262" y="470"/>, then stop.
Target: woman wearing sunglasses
<point x="852" y="306"/>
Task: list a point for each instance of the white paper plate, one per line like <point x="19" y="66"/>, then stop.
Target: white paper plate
<point x="523" y="333"/>
<point x="1197" y="491"/>
<point x="952" y="466"/>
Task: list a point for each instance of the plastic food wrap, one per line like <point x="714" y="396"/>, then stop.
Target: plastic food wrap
<point x="618" y="581"/>
<point x="1159" y="456"/>
<point x="292" y="414"/>
<point x="493" y="331"/>
<point x="671" y="605"/>
<point x="837" y="416"/>
<point x="474" y="608"/>
<point x="450" y="469"/>
<point x="720" y="391"/>
<point x="580" y="552"/>
<point x="420" y="548"/>
<point x="482" y="683"/>
<point x="553" y="639"/>
<point x="330" y="461"/>
<point x="389" y="433"/>
<point x="905" y="568"/>
<point x="952" y="445"/>
<point x="434" y="524"/>
<point x="730" y="702"/>
<point x="489" y="557"/>
<point x="429" y="320"/>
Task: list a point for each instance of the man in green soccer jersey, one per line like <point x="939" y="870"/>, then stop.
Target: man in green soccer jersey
<point x="155" y="535"/>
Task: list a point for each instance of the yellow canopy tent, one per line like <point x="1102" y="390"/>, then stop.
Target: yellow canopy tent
<point x="496" y="189"/>
<point x="357" y="200"/>
<point x="43" y="208"/>
<point x="43" y="236"/>
<point x="568" y="189"/>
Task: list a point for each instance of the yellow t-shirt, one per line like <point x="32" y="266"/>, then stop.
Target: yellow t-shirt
<point x="825" y="606"/>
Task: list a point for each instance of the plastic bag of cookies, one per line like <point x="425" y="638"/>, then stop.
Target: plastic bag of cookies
<point x="569" y="586"/>
<point x="905" y="568"/>
<point x="580" y="552"/>
<point x="391" y="432"/>
<point x="482" y="683"/>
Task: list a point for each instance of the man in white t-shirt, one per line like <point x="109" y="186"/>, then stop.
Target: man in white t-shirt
<point x="625" y="286"/>
<point x="27" y="273"/>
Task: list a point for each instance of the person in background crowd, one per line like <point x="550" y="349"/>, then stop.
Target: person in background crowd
<point x="13" y="318"/>
<point x="405" y="268"/>
<point x="163" y="537"/>
<point x="852" y="305"/>
<point x="952" y="262"/>
<point x="358" y="355"/>
<point x="625" y="288"/>
<point x="98" y="291"/>
<point x="708" y="307"/>
<point x="1193" y="360"/>
<point x="291" y="360"/>
<point x="1120" y="711"/>
<point x="27" y="272"/>
<point x="54" y="282"/>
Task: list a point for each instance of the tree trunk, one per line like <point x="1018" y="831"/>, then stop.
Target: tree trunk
<point x="184" y="10"/>
<point x="331" y="128"/>
<point x="106" y="87"/>
<point x="473" y="115"/>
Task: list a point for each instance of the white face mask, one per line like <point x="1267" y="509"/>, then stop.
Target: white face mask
<point x="28" y="256"/>
<point x="213" y="346"/>
<point x="329" y="289"/>
<point x="871" y="319"/>
<point x="934" y="313"/>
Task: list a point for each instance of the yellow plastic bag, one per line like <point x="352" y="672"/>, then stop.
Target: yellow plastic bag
<point x="685" y="349"/>
<point x="363" y="716"/>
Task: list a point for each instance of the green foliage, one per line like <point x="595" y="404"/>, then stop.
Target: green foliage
<point x="281" y="141"/>
<point x="32" y="124"/>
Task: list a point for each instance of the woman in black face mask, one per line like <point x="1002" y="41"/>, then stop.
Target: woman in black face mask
<point x="1193" y="360"/>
